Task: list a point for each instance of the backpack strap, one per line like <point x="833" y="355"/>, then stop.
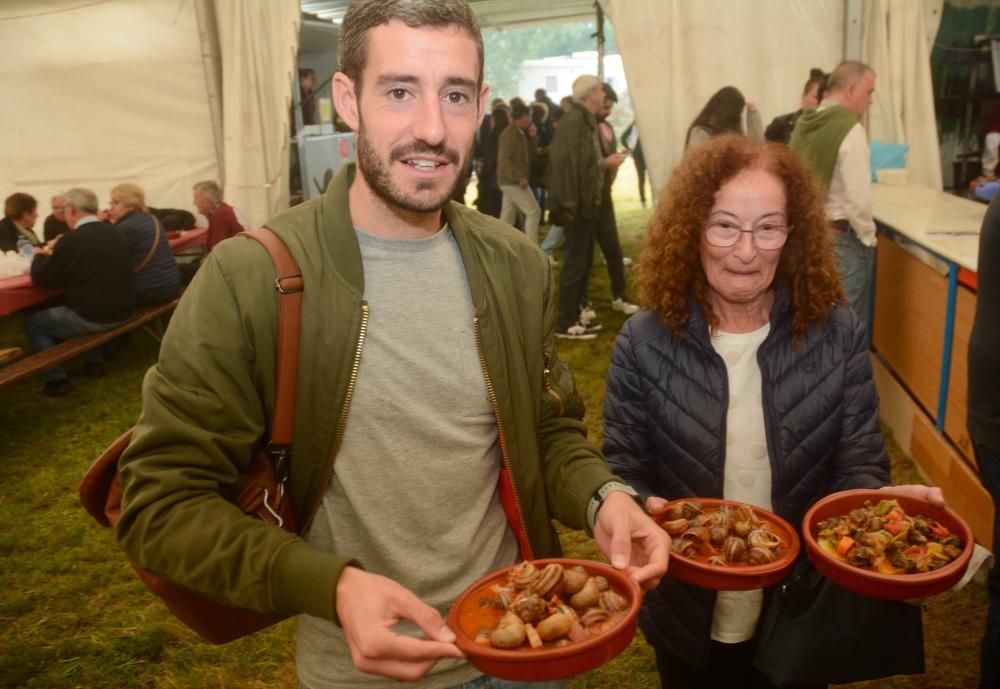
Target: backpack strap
<point x="289" y="286"/>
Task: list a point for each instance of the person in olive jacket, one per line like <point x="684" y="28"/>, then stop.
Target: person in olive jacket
<point x="746" y="378"/>
<point x="437" y="432"/>
<point x="576" y="174"/>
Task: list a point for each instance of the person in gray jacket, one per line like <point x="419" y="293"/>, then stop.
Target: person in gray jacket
<point x="746" y="378"/>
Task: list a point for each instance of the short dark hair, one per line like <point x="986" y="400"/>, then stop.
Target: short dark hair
<point x="519" y="110"/>
<point x="364" y="15"/>
<point x="609" y="92"/>
<point x="847" y="73"/>
<point x="17" y="204"/>
<point x="306" y="72"/>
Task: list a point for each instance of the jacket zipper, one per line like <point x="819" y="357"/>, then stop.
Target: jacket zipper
<point x="338" y="436"/>
<point x="504" y="454"/>
<point x="546" y="375"/>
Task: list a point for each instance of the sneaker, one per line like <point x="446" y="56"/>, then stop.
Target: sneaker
<point x="625" y="307"/>
<point x="577" y="331"/>
<point x="587" y="314"/>
<point x="57" y="388"/>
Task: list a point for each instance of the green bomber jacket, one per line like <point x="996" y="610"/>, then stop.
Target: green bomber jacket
<point x="209" y="400"/>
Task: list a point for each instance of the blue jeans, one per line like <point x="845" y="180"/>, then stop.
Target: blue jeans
<point x="856" y="265"/>
<point x="551" y="239"/>
<point x="486" y="682"/>
<point x="989" y="657"/>
<point x="48" y="328"/>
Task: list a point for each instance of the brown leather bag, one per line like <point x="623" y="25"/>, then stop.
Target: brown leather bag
<point x="263" y="490"/>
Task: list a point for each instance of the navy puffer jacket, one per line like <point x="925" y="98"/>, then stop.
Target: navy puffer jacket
<point x="665" y="432"/>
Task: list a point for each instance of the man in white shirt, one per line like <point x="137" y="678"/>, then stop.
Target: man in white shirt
<point x="833" y="142"/>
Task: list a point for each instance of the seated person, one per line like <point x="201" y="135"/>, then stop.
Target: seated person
<point x="55" y="224"/>
<point x="92" y="264"/>
<point x="223" y="220"/>
<point x="157" y="277"/>
<point x="20" y="214"/>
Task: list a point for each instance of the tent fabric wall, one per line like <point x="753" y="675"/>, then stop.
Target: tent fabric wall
<point x="896" y="44"/>
<point x="101" y="94"/>
<point x="764" y="48"/>
<point x="258" y="42"/>
<point x="117" y="91"/>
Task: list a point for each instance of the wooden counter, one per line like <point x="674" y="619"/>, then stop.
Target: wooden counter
<point x="925" y="301"/>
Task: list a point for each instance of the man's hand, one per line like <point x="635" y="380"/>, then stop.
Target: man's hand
<point x="751" y="106"/>
<point x="614" y="161"/>
<point x="523" y="183"/>
<point x="631" y="540"/>
<point x="931" y="494"/>
<point x="368" y="606"/>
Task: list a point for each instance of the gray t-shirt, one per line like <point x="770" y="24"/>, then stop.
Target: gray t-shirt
<point x="414" y="494"/>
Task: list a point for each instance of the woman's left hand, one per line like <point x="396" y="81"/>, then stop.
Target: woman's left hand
<point x="931" y="494"/>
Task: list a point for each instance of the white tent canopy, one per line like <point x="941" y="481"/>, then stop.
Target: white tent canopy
<point x="766" y="50"/>
<point x="165" y="93"/>
<point x="161" y="93"/>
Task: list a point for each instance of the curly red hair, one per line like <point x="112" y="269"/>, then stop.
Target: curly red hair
<point x="671" y="260"/>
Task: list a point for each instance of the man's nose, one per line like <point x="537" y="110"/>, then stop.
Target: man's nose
<point x="428" y="125"/>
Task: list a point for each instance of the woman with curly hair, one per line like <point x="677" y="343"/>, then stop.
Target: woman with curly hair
<point x="746" y="378"/>
<point x="723" y="113"/>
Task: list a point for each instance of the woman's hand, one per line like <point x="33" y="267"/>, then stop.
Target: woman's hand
<point x="931" y="494"/>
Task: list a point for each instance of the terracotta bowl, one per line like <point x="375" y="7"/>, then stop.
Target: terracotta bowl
<point x="876" y="584"/>
<point x="543" y="664"/>
<point x="735" y="577"/>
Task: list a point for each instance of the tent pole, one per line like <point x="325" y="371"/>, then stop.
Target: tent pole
<point x="852" y="29"/>
<point x="600" y="41"/>
<point x="208" y="34"/>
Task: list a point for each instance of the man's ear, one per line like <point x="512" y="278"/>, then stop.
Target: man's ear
<point x="345" y="100"/>
<point x="483" y="94"/>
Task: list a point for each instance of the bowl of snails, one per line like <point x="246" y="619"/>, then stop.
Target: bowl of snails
<point x="546" y="619"/>
<point x="727" y="545"/>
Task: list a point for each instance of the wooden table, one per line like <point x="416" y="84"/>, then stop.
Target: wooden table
<point x="925" y="300"/>
<point x="19" y="292"/>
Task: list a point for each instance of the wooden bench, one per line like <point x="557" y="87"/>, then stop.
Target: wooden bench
<point x="145" y="317"/>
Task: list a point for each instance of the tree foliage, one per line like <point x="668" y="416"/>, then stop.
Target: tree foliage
<point x="505" y="50"/>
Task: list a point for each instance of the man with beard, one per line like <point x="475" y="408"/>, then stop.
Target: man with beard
<point x="437" y="431"/>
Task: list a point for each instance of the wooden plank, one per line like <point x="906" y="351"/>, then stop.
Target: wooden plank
<point x="896" y="407"/>
<point x="78" y="345"/>
<point x="946" y="468"/>
<point x="956" y="412"/>
<point x="910" y="305"/>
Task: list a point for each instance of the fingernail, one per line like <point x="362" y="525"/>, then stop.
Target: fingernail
<point x="619" y="561"/>
<point x="446" y="635"/>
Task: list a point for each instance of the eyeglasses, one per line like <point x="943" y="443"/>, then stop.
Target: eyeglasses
<point x="766" y="235"/>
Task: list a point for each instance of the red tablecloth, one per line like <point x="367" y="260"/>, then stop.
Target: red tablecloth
<point x="19" y="292"/>
<point x="188" y="239"/>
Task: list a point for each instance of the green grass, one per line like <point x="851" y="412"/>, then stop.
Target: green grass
<point x="72" y="613"/>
